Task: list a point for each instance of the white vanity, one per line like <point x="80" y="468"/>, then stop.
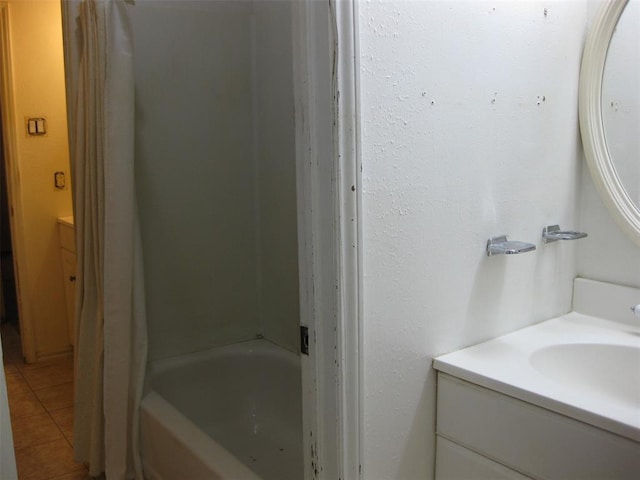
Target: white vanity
<point x="557" y="400"/>
<point x="66" y="233"/>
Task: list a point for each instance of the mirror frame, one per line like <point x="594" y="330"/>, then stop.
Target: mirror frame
<point x="602" y="169"/>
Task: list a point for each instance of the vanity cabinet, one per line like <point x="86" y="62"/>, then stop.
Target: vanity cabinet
<point x="484" y="434"/>
<point x="66" y="233"/>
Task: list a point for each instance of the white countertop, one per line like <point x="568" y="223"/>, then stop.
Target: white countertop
<point x="596" y="379"/>
<point x="66" y="221"/>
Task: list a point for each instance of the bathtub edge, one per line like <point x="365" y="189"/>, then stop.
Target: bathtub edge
<point x="159" y="451"/>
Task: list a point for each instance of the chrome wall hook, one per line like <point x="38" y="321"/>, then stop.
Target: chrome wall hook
<point x="500" y="245"/>
<point x="552" y="233"/>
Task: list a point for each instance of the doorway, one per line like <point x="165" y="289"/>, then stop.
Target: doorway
<point x="9" y="298"/>
<point x="328" y="186"/>
<point x="31" y="50"/>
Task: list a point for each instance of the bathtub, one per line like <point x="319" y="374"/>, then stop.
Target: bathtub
<point x="233" y="412"/>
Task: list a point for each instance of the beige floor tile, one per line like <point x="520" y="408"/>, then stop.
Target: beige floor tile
<point x="13" y="344"/>
<point x="34" y="430"/>
<point x="48" y="376"/>
<point x="64" y="419"/>
<point x="9" y="368"/>
<point x="12" y="356"/>
<point x="16" y="384"/>
<point x="79" y="475"/>
<point x="56" y="397"/>
<point x="61" y="360"/>
<point x="10" y="336"/>
<point x="24" y="405"/>
<point x="46" y="461"/>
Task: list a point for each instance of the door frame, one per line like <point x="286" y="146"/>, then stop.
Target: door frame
<point x="328" y="170"/>
<point x="329" y="233"/>
<point x="16" y="221"/>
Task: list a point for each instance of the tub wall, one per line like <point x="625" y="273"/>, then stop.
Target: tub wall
<point x="215" y="175"/>
<point x="277" y="214"/>
<point x="193" y="159"/>
<point x="469" y="130"/>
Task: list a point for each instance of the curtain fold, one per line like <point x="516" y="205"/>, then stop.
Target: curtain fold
<point x="88" y="182"/>
<point x="111" y="343"/>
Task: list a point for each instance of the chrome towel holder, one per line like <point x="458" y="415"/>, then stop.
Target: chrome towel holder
<point x="552" y="233"/>
<point x="500" y="245"/>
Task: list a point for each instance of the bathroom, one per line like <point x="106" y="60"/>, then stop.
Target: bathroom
<point x="467" y="128"/>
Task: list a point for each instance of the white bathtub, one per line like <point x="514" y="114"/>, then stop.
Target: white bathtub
<point x="232" y="412"/>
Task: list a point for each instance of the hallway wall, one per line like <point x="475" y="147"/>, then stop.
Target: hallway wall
<point x="38" y="90"/>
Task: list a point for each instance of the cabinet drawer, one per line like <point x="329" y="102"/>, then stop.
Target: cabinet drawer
<point x="67" y="237"/>
<point x="454" y="462"/>
<point x="532" y="440"/>
<point x="69" y="272"/>
<point x="69" y="265"/>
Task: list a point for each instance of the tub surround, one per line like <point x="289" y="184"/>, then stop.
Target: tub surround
<point x="220" y="244"/>
<point x="229" y="222"/>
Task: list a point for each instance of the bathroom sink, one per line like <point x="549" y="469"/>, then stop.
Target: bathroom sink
<point x="606" y="370"/>
<point x="586" y="368"/>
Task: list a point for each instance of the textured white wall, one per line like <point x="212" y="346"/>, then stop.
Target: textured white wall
<point x="610" y="255"/>
<point x="194" y="170"/>
<point x="469" y="129"/>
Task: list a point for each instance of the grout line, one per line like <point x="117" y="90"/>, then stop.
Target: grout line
<point x="48" y="386"/>
<point x="45" y="364"/>
<point x="54" y="420"/>
<point x="58" y="427"/>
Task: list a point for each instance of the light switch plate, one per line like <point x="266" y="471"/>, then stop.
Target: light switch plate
<point x="36" y="126"/>
<point x="59" y="180"/>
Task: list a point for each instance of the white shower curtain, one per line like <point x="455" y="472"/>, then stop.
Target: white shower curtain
<point x="111" y="341"/>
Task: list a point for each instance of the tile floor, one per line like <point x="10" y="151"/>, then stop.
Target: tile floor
<point x="41" y="407"/>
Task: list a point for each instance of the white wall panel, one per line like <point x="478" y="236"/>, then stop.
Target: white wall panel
<point x="194" y="173"/>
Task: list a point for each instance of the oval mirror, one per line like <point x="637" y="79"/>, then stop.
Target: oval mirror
<point x="621" y="99"/>
<point x="605" y="115"/>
